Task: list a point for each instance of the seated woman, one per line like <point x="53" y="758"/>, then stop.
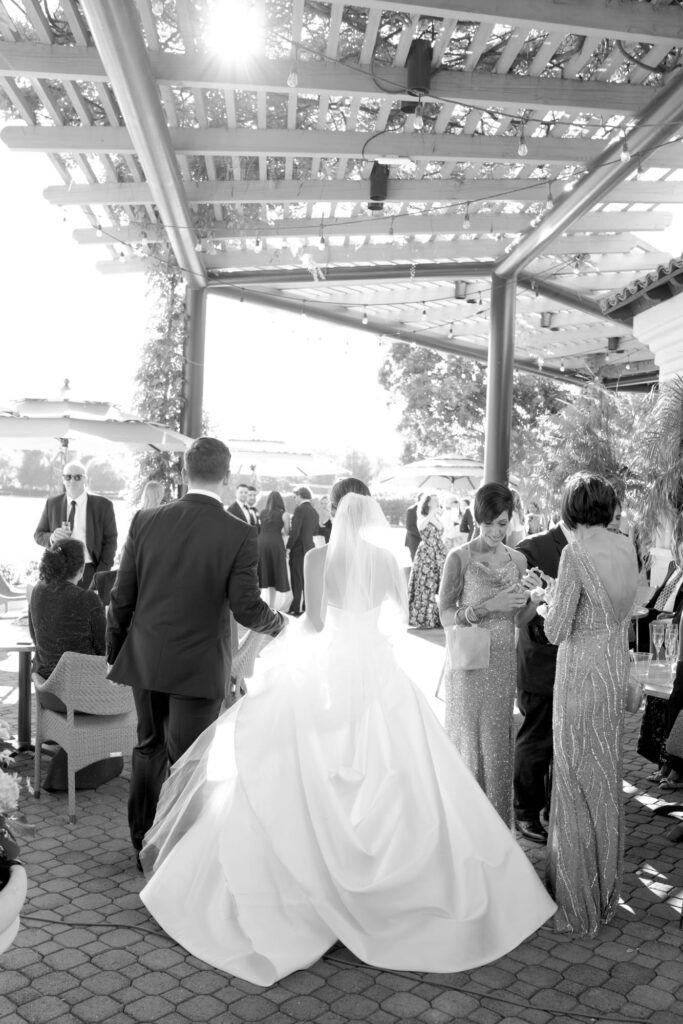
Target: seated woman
<point x="63" y="617"/>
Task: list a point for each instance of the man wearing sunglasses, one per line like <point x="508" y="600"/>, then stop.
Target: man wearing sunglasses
<point x="83" y="516"/>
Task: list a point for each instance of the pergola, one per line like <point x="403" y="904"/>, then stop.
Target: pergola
<point x="482" y="178"/>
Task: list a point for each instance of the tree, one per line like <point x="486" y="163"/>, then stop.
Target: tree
<point x="444" y="403"/>
<point x="159" y="396"/>
<point x="103" y="478"/>
<point x="358" y="464"/>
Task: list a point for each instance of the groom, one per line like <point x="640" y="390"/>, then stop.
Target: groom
<point x="184" y="567"/>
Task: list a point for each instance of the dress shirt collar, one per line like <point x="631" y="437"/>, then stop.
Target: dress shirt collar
<point x="207" y="494"/>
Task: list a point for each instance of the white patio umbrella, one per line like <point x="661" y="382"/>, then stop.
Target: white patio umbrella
<point x="271" y="458"/>
<point x="41" y="432"/>
<point x="443" y="472"/>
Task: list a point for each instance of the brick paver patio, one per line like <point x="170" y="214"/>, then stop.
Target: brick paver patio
<point x="87" y="950"/>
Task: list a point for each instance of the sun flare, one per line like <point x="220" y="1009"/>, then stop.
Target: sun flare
<point x="234" y="30"/>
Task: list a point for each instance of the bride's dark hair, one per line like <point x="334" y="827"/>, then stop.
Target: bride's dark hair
<point x="349" y="485"/>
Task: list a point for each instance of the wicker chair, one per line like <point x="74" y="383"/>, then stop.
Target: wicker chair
<point x="9" y="594"/>
<point x="108" y="724"/>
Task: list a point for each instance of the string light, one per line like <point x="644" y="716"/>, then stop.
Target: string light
<point x="549" y="202"/>
<point x="122" y="257"/>
<point x="522" y="148"/>
<point x="418" y="120"/>
<point x="293" y="76"/>
<point x="365" y="316"/>
<point x="628" y="364"/>
<point x="540" y="362"/>
<point x="450" y="332"/>
<point x="624" y="154"/>
<point x="258" y="245"/>
<point x="199" y="247"/>
<point x="98" y="231"/>
<point x="562" y="366"/>
<point x="321" y="240"/>
<point x="424" y="311"/>
<point x="467" y="223"/>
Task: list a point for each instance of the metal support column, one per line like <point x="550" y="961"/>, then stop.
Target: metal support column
<point x="499" y="390"/>
<point x="193" y="374"/>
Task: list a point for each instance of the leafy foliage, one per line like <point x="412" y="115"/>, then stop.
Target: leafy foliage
<point x="159" y="380"/>
<point x="659" y="460"/>
<point x="444" y="403"/>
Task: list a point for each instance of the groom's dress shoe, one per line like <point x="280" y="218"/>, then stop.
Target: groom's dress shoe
<point x="532" y="830"/>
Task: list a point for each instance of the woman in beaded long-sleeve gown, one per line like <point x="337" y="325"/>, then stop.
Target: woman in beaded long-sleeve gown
<point x="588" y="615"/>
<point x="482" y="585"/>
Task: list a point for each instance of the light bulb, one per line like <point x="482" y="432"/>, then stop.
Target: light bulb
<point x="540" y="362"/>
<point x="292" y="78"/>
<point x="365" y="317"/>
<point x="258" y="245"/>
<point x="450" y="331"/>
<point x="418" y="121"/>
<point x="549" y="198"/>
<point x="562" y="366"/>
<point x="467" y="223"/>
<point x="624" y="154"/>
<point x="628" y="364"/>
<point x="522" y="148"/>
<point x="424" y="311"/>
<point x="98" y="231"/>
<point x="122" y="257"/>
<point x="199" y="246"/>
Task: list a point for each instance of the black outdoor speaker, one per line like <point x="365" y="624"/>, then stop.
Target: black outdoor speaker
<point x="379" y="178"/>
<point x="419" y="67"/>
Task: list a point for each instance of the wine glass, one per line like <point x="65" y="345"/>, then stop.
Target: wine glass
<point x="658" y="635"/>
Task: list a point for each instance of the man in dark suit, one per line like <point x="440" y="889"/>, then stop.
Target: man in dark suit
<point x="667" y="601"/>
<point x="466" y="521"/>
<point x="185" y="566"/>
<point x="536" y="661"/>
<point x="412" y="541"/>
<point x="252" y="494"/>
<point x="89" y="518"/>
<point x="240" y="506"/>
<point x="304" y="526"/>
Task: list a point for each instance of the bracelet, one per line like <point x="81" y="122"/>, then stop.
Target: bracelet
<point x="471" y="616"/>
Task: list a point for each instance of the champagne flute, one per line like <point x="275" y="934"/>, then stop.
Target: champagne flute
<point x="658" y="634"/>
<point x="671" y="643"/>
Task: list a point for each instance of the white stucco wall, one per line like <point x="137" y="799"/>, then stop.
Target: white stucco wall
<point x="661" y="329"/>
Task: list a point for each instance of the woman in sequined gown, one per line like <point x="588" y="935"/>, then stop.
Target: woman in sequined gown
<point x="588" y="614"/>
<point x="482" y="584"/>
<point x="425" y="574"/>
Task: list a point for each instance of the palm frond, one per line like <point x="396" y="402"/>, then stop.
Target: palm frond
<point x="659" y="463"/>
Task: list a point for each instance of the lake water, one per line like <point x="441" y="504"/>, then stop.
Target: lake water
<point x="18" y="520"/>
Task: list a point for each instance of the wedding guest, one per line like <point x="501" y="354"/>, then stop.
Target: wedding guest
<point x="84" y="516"/>
<point x="425" y="574"/>
<point x="515" y="532"/>
<point x="240" y="506"/>
<point x="252" y="495"/>
<point x="329" y="803"/>
<point x="184" y="568"/>
<point x="303" y="529"/>
<point x="152" y="494"/>
<point x="450" y="518"/>
<point x="272" y="560"/>
<point x="536" y="660"/>
<point x="412" y="541"/>
<point x="482" y="586"/>
<point x="589" y="610"/>
<point x="466" y="520"/>
<point x="63" y="617"/>
<point x="666" y="603"/>
<point x="533" y="522"/>
<point x="324" y="518"/>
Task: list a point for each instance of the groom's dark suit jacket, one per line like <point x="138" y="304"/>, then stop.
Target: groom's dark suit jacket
<point x="536" y="656"/>
<point x="643" y="625"/>
<point x="100" y="527"/>
<point x="304" y="527"/>
<point x="184" y="567"/>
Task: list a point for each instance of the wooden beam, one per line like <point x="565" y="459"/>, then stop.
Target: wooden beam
<point x="636" y="22"/>
<point x="431" y="224"/>
<point x="474" y="149"/>
<point x="450" y="190"/>
<point x="197" y="71"/>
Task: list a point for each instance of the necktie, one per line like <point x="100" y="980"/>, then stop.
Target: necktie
<point x="72" y="516"/>
<point x="668" y="589"/>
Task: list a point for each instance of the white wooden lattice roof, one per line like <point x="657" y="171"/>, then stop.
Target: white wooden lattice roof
<point x="494" y="107"/>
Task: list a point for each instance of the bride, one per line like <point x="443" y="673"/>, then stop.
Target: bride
<point x="330" y="804"/>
